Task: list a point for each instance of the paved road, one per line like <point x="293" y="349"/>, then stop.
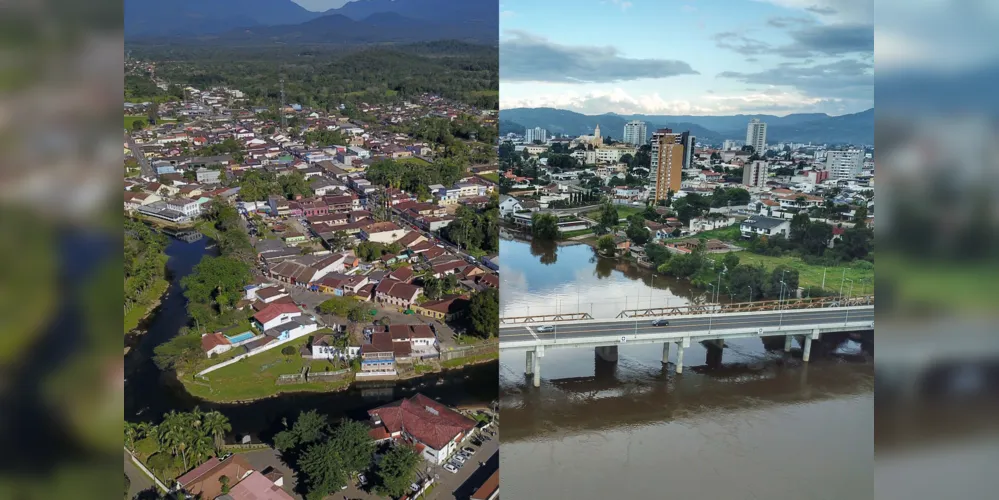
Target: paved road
<point x="697" y="325"/>
<point x="139" y="480"/>
<point x="144" y="167"/>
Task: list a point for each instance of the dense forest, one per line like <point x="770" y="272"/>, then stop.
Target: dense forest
<point x="325" y="77"/>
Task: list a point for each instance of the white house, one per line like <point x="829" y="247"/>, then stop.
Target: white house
<point x="275" y="315"/>
<point x="764" y="226"/>
<point x="509" y="205"/>
<point x="325" y="348"/>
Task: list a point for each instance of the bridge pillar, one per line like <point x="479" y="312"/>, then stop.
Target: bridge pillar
<point x="666" y="352"/>
<point x="607" y="353"/>
<point x="537" y="366"/>
<point x="530" y="363"/>
<point x="807" y="353"/>
<point x="679" y="358"/>
<point x="787" y="342"/>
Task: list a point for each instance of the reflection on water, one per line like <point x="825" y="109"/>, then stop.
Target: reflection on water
<point x="748" y="421"/>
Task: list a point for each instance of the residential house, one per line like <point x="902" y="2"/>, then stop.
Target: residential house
<point x="293" y="328"/>
<point x="382" y="232"/>
<point x="326" y="348"/>
<point x="214" y="344"/>
<point x="448" y="308"/>
<point x="256" y="486"/>
<point x="275" y="315"/>
<point x="378" y="356"/>
<point x="397" y="293"/>
<point x="432" y="428"/>
<point x="203" y="480"/>
<point x="764" y="226"/>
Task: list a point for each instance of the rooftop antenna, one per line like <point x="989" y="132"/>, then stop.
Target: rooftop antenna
<point x="284" y="119"/>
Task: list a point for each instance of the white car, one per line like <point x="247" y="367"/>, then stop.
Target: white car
<point x="458" y="458"/>
<point x="450" y="468"/>
<point x="545" y="329"/>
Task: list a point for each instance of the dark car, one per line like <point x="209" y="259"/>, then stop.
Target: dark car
<point x="660" y="322"/>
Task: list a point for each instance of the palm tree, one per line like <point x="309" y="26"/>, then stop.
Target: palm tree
<point x="131" y="431"/>
<point x="217" y="425"/>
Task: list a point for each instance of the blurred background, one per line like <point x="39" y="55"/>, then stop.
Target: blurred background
<point x="60" y="249"/>
<point x="937" y="358"/>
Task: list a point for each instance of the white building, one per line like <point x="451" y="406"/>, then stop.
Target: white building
<point x="844" y="164"/>
<point x="536" y="134"/>
<point x="764" y="226"/>
<point x="756" y="136"/>
<point x="635" y="132"/>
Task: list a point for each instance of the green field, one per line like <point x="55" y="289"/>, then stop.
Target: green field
<point x="129" y="119"/>
<point x="256" y="377"/>
<point x="491" y="177"/>
<point x="623" y="212"/>
<point x="811" y="276"/>
<point x="728" y="234"/>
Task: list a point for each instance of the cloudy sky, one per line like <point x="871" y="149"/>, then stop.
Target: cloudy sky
<point x="696" y="57"/>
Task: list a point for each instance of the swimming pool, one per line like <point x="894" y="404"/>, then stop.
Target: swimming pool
<point x="241" y="337"/>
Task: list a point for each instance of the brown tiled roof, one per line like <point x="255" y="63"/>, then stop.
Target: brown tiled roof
<point x="274" y="310"/>
<point x="213" y="340"/>
<point x="426" y="420"/>
<point x="204" y="479"/>
<point x="408" y="332"/>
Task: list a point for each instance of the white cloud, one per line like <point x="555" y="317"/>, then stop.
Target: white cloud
<point x="625" y="5"/>
<point x="617" y="100"/>
<point x="507" y="14"/>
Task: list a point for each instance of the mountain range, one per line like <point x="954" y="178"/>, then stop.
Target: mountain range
<point x="284" y="21"/>
<point x="857" y="128"/>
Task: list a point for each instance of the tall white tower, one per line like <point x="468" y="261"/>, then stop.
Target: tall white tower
<point x="756" y="136"/>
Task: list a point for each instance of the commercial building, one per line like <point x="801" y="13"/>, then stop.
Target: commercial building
<point x="635" y="132"/>
<point x="434" y="430"/>
<point x="756" y="136"/>
<point x="844" y="164"/>
<point x="754" y="174"/>
<point x="666" y="163"/>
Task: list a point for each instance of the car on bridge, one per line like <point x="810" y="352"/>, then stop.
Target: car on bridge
<point x="660" y="322"/>
<point x="545" y="329"/>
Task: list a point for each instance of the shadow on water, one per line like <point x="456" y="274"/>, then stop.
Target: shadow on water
<point x="150" y="392"/>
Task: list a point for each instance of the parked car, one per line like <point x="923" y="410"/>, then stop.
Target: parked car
<point x="415" y="487"/>
<point x="459" y="459"/>
<point x="450" y="468"/>
<point x="469" y="450"/>
<point x="545" y="329"/>
<point x="361" y="479"/>
<point x="660" y="322"/>
<point x="476" y="442"/>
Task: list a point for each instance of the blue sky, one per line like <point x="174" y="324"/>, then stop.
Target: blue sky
<point x="698" y="57"/>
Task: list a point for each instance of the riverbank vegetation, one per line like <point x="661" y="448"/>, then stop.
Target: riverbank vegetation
<point x="181" y="441"/>
<point x="145" y="271"/>
<point x="475" y="231"/>
<point x="544" y="226"/>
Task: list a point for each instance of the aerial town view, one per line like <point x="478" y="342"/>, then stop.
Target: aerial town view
<point x="686" y="304"/>
<point x="311" y="250"/>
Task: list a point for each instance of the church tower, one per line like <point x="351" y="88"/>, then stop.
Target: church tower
<point x="598" y="139"/>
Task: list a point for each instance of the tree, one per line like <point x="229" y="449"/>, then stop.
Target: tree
<point x="731" y="261"/>
<point x="339" y="241"/>
<point x="606" y="245"/>
<point x="309" y="427"/>
<point x="433" y="287"/>
<point x="396" y="471"/>
<point x="816" y="238"/>
<point x="138" y="125"/>
<point x="216" y="284"/>
<point x="484" y="313"/>
<point x="790" y="278"/>
<point x="355" y="445"/>
<point x="217" y="425"/>
<point x="799" y="224"/>
<point x="608" y="215"/>
<point x="337" y="306"/>
<point x="637" y="232"/>
<point x="224" y="481"/>
<point x="545" y="226"/>
<point x="323" y="468"/>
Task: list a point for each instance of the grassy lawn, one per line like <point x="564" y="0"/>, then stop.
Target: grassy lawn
<point x="129" y="119"/>
<point x="491" y="177"/>
<point x="149" y="298"/>
<point x="454" y="363"/>
<point x="811" y="276"/>
<point x="256" y="377"/>
<point x="623" y="212"/>
<point x="572" y="234"/>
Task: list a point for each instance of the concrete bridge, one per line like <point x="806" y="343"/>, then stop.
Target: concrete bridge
<point x="711" y="323"/>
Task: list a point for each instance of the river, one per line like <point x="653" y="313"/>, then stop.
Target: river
<point x="150" y="392"/>
<point x="747" y="422"/>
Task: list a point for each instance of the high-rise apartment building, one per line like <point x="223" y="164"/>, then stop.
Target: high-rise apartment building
<point x="666" y="162"/>
<point x="844" y="164"/>
<point x="536" y="134"/>
<point x="635" y="132"/>
<point x="688" y="142"/>
<point x="756" y="136"/>
<point x="755" y="174"/>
